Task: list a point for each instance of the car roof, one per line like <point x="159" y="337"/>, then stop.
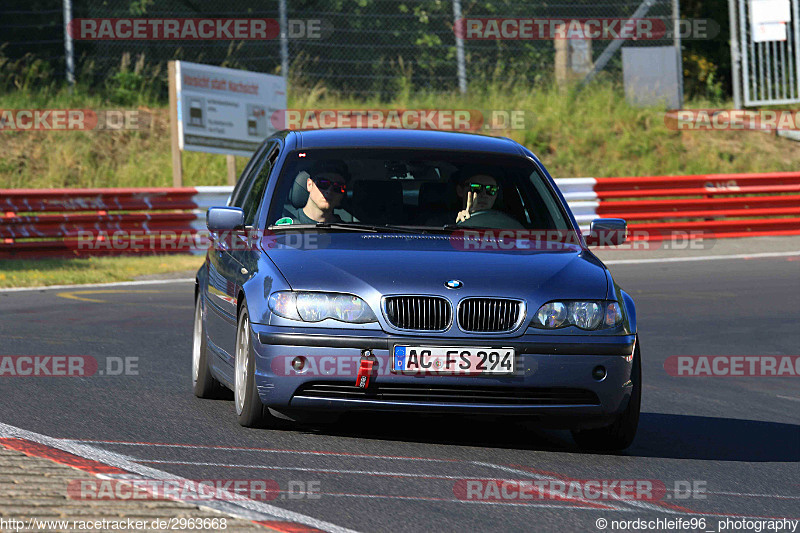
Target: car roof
<point x="400" y="138"/>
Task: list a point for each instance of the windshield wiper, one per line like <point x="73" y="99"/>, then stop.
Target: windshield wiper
<point x="372" y="228"/>
<point x="326" y="225"/>
<point x="414" y="229"/>
<point x="346" y="226"/>
<point x="459" y="227"/>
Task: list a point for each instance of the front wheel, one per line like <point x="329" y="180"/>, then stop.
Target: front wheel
<point x="620" y="434"/>
<point x="249" y="409"/>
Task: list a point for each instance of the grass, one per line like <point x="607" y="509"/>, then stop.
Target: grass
<point x="44" y="272"/>
<point x="595" y="133"/>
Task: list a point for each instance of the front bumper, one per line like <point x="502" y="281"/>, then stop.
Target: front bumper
<point x="553" y="376"/>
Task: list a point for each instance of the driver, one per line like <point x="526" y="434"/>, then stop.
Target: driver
<point x="327" y="185"/>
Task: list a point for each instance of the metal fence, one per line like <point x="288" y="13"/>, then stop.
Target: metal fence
<point x="767" y="62"/>
<point x="375" y="48"/>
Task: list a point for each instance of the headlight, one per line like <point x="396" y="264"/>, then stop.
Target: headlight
<point x="613" y="315"/>
<point x="552" y="315"/>
<point x="284" y="304"/>
<point x="313" y="306"/>
<point x="585" y="315"/>
<point x="317" y="306"/>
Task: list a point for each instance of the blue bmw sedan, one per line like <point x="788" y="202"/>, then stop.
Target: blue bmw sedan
<point x="417" y="271"/>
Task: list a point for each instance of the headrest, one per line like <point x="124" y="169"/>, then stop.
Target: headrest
<point x="298" y="195"/>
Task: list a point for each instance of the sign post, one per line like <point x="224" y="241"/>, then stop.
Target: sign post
<point x="221" y="111"/>
<point x="231" y="160"/>
<point x="177" y="166"/>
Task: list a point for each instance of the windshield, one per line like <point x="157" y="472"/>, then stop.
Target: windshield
<point x="413" y="189"/>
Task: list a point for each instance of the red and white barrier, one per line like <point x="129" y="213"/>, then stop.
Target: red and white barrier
<point x="581" y="197"/>
<point x="717" y="205"/>
<point x="81" y="222"/>
<point x="55" y="222"/>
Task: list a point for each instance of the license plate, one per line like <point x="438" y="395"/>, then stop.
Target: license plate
<point x="452" y="360"/>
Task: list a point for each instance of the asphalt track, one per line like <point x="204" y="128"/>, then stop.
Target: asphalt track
<point x="739" y="437"/>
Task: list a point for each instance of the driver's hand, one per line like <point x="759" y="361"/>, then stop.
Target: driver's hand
<point x="466" y="213"/>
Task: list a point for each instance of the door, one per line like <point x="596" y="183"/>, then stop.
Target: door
<point x="225" y="274"/>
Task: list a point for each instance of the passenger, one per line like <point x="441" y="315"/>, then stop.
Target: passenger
<point x="478" y="193"/>
<point x="327" y="185"/>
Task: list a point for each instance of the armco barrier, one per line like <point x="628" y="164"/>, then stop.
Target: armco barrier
<point x="41" y="223"/>
<point x="81" y="222"/>
<point x="718" y="205"/>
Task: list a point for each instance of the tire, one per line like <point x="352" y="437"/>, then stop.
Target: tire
<point x="249" y="410"/>
<point x="620" y="434"/>
<point x="203" y="383"/>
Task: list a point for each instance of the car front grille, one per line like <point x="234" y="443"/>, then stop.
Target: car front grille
<point x="449" y="394"/>
<point x="489" y="315"/>
<point x="419" y="313"/>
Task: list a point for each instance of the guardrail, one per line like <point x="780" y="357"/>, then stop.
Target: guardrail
<point x="81" y="222"/>
<point x="714" y="205"/>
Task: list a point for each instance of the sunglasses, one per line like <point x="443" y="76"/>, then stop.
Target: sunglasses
<point x="325" y="184"/>
<point x="491" y="190"/>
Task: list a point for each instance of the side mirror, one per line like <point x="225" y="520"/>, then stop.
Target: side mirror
<point x="224" y="219"/>
<point x="607" y="232"/>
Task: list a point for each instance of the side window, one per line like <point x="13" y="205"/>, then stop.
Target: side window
<point x="253" y="198"/>
<point x="551" y="204"/>
<point x="246" y="179"/>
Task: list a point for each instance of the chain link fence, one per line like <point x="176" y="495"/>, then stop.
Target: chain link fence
<point x="369" y="49"/>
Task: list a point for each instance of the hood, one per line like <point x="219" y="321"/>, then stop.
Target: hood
<point x="373" y="265"/>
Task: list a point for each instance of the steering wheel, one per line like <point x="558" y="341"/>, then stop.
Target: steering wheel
<point x="485" y="214"/>
<point x="490" y="218"/>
